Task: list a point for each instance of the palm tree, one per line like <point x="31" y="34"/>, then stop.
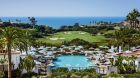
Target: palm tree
<point x="126" y="37"/>
<point x="132" y="18"/>
<point x="117" y="40"/>
<point x="128" y="66"/>
<point x="28" y="64"/>
<point x="20" y="68"/>
<point x="27" y="42"/>
<point x="13" y="39"/>
<point x="133" y="58"/>
<point x="119" y="64"/>
<point x="111" y="61"/>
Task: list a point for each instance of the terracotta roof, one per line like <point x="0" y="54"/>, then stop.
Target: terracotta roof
<point x="134" y="53"/>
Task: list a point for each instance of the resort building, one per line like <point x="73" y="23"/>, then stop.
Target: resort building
<point x="15" y="55"/>
<point x="133" y="53"/>
<point x="47" y="58"/>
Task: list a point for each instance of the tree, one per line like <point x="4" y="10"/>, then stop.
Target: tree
<point x="0" y="20"/>
<point x="132" y="18"/>
<point x="126" y="38"/>
<point x="20" y="68"/>
<point x="18" y="21"/>
<point x="2" y="74"/>
<point x="133" y="58"/>
<point x="76" y="25"/>
<point x="2" y="61"/>
<point x="113" y="76"/>
<point x="32" y="21"/>
<point x="28" y="64"/>
<point x="13" y="38"/>
<point x="2" y="46"/>
<point x="119" y="63"/>
<point x="117" y="40"/>
<point x="126" y="64"/>
<point x="111" y="61"/>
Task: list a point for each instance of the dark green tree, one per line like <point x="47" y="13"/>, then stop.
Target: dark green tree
<point x="32" y="21"/>
<point x="132" y="18"/>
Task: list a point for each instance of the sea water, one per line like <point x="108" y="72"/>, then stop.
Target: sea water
<point x="57" y="22"/>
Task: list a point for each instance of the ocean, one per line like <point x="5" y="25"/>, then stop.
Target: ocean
<point x="57" y="22"/>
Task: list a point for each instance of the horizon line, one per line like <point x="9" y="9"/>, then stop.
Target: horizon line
<point x="62" y="16"/>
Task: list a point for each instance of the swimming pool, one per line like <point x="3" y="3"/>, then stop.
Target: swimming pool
<point x="72" y="62"/>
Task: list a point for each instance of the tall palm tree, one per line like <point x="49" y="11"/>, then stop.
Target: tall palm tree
<point x="126" y="37"/>
<point x="28" y="64"/>
<point x="132" y="17"/>
<point x="13" y="38"/>
<point x="117" y="40"/>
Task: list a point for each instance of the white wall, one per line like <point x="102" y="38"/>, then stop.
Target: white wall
<point x="15" y="59"/>
<point x="137" y="63"/>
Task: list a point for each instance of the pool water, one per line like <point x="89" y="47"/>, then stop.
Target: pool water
<point x="72" y="61"/>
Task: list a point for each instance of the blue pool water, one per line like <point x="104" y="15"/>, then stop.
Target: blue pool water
<point x="72" y="62"/>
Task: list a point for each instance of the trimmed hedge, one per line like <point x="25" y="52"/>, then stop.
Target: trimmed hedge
<point x="131" y="75"/>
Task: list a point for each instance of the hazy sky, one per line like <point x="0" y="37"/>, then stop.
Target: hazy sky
<point x="67" y="7"/>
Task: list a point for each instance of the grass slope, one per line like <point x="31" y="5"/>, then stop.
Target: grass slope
<point x="70" y="35"/>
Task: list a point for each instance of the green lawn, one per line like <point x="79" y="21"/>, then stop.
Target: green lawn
<point x="59" y="37"/>
<point x="110" y="32"/>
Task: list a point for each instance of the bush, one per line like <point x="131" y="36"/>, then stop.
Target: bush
<point x="109" y="35"/>
<point x="138" y="71"/>
<point x="2" y="74"/>
<point x="114" y="76"/>
<point x="16" y="73"/>
<point x="27" y="76"/>
<point x="91" y="70"/>
<point x="60" y="70"/>
<point x="131" y="75"/>
<point x="65" y="73"/>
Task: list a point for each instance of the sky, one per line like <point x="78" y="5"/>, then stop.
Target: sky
<point x="67" y="8"/>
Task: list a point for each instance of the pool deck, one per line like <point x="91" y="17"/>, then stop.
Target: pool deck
<point x="48" y="55"/>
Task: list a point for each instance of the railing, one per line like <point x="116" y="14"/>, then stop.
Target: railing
<point x="78" y="68"/>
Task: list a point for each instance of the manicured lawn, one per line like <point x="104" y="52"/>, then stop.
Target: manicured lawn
<point x="59" y="37"/>
<point x="110" y="32"/>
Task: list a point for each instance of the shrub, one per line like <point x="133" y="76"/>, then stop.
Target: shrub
<point x="113" y="76"/>
<point x="31" y="74"/>
<point x="109" y="35"/>
<point x="138" y="71"/>
<point x="131" y="75"/>
<point x="62" y="70"/>
<point x="2" y="74"/>
<point x="91" y="70"/>
<point x="65" y="73"/>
